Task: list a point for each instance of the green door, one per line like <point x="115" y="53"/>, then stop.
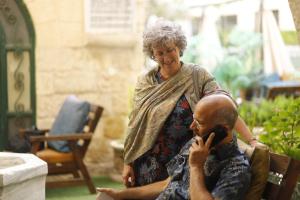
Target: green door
<point x="2" y="47"/>
<point x="17" y="80"/>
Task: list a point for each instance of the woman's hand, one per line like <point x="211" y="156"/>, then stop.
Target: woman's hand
<point x="199" y="151"/>
<point x="128" y="176"/>
<point x="114" y="194"/>
<point x="253" y="142"/>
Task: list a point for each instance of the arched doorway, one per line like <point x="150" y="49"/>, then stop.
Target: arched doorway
<point x="17" y="73"/>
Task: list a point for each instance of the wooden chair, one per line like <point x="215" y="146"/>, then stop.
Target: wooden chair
<point x="71" y="162"/>
<point x="283" y="177"/>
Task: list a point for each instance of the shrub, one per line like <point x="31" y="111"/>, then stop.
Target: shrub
<point x="282" y="130"/>
<point x="280" y="120"/>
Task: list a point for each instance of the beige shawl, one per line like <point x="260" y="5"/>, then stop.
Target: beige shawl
<point x="153" y="102"/>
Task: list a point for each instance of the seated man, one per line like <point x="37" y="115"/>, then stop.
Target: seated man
<point x="198" y="171"/>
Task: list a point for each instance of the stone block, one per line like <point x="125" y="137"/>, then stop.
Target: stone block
<point x="45" y="123"/>
<point x="75" y="82"/>
<point x="99" y="151"/>
<point x="64" y="59"/>
<point x="50" y="59"/>
<point x="49" y="105"/>
<point x="48" y="34"/>
<point x="71" y="34"/>
<point x="44" y="83"/>
<point x="91" y="97"/>
<point x="70" y="11"/>
<point x="23" y="176"/>
<point x="42" y="11"/>
<point x="114" y="40"/>
<point x="118" y="149"/>
<point x="120" y="102"/>
<point x="115" y="126"/>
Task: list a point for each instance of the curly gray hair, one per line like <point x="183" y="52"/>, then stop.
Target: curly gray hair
<point x="162" y="33"/>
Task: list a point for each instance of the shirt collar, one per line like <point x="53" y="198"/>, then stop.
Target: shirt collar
<point x="227" y="150"/>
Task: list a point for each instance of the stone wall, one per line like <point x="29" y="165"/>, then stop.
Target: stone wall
<point x="97" y="68"/>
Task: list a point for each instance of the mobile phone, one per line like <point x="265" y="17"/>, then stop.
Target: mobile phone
<point x="220" y="133"/>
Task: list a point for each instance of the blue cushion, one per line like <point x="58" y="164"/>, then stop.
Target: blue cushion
<point x="71" y="119"/>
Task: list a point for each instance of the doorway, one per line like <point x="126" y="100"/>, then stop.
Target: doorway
<point x="17" y="72"/>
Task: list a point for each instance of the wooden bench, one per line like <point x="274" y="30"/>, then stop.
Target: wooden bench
<point x="283" y="174"/>
<point x="283" y="177"/>
<point x="286" y="88"/>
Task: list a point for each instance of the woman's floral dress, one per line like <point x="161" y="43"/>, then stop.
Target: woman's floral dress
<point x="151" y="166"/>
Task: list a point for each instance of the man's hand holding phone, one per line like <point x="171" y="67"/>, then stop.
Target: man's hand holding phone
<point x="199" y="151"/>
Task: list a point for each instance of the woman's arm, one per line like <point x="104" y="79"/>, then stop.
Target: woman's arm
<point x="241" y="127"/>
<point x="150" y="191"/>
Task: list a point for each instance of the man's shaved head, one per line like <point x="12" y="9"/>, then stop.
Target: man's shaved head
<point x="218" y="109"/>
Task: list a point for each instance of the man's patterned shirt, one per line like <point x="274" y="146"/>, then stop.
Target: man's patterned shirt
<point x="227" y="173"/>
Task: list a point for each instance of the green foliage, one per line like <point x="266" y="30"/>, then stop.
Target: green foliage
<point x="242" y="81"/>
<point x="280" y="120"/>
<point x="282" y="129"/>
<point x="247" y="41"/>
<point x="290" y="37"/>
<point x="240" y="67"/>
<point x="224" y="37"/>
<point x="191" y="54"/>
<point x="229" y="69"/>
<point x="255" y="114"/>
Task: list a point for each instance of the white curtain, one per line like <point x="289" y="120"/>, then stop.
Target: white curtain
<point x="210" y="49"/>
<point x="276" y="58"/>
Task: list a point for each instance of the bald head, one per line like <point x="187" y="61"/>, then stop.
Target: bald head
<point x="217" y="109"/>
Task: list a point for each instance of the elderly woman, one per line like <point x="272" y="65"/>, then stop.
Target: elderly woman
<point x="164" y="101"/>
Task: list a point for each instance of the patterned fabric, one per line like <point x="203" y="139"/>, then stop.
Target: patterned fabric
<point x="153" y="103"/>
<point x="175" y="133"/>
<point x="227" y="174"/>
